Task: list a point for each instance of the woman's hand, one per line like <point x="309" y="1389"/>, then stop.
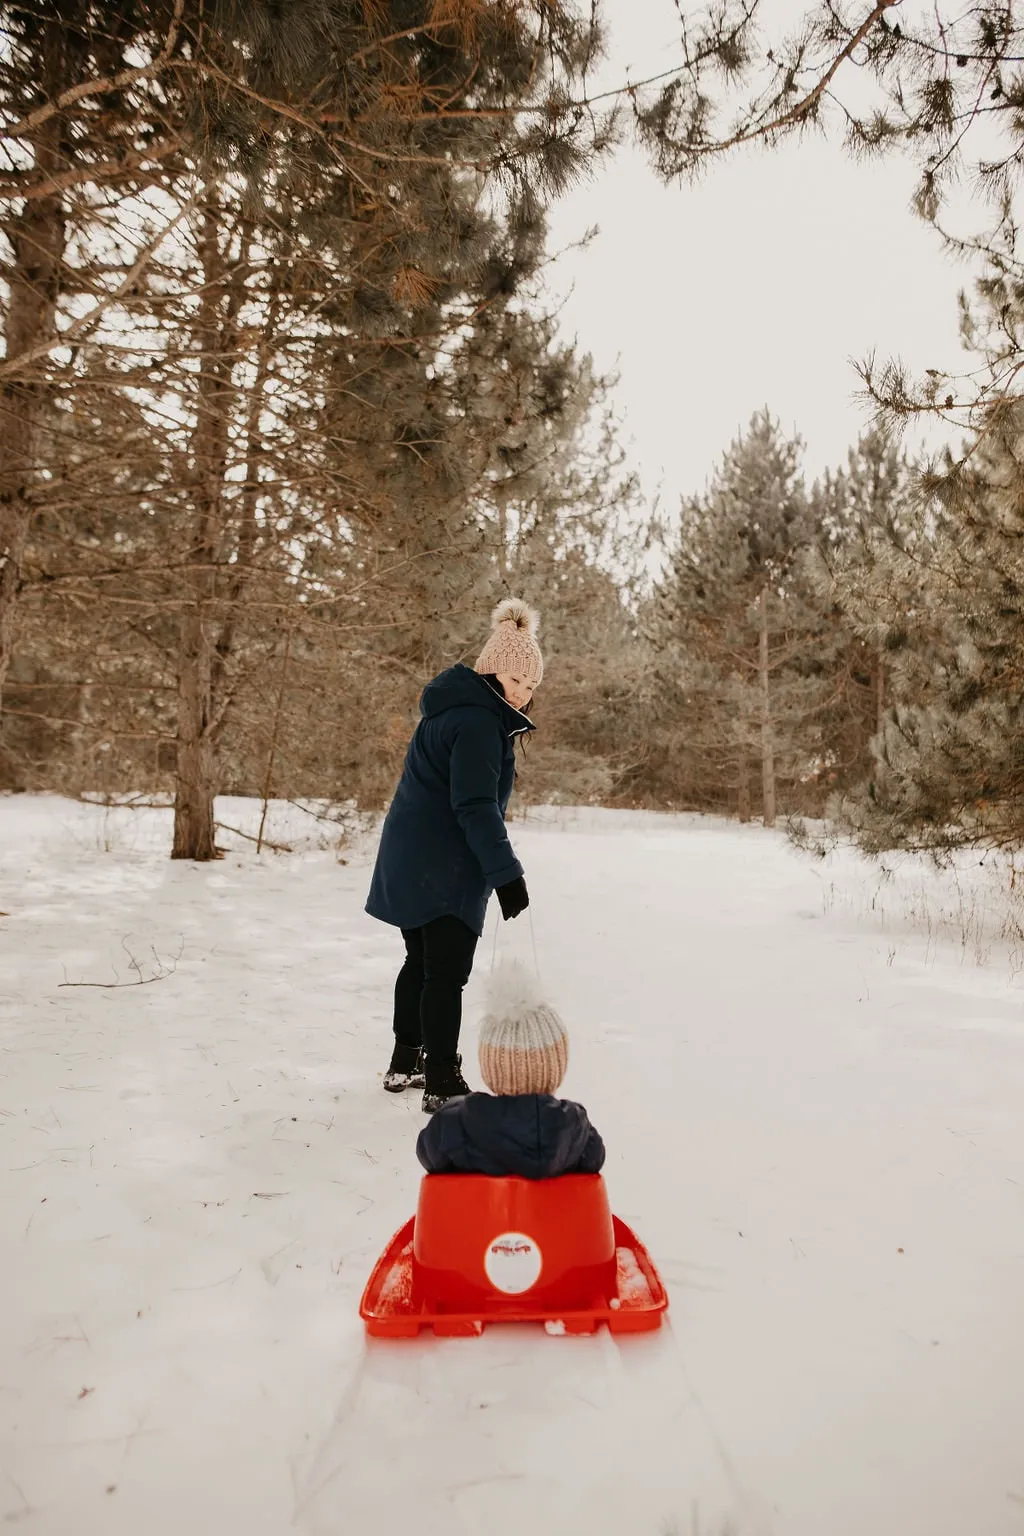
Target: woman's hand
<point x="514" y="898"/>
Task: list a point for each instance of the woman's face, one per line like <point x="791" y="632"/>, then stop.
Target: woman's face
<point x="517" y="691"/>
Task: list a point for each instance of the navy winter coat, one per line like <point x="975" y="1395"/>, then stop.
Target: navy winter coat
<point x="444" y="847"/>
<point x="532" y="1135"/>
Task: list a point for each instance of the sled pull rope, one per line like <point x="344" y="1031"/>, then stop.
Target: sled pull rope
<point x="533" y="942"/>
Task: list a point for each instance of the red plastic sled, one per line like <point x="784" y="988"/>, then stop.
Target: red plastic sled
<point x="482" y="1250"/>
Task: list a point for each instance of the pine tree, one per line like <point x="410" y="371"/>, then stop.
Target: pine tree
<point x="324" y="194"/>
<point x="573" y="539"/>
<point x="944" y="596"/>
<point x="941" y="85"/>
<point x="935" y="83"/>
<point x="84" y="131"/>
<point x="927" y="573"/>
<point x="735" y="625"/>
<point x="863" y="510"/>
<point x="363" y="527"/>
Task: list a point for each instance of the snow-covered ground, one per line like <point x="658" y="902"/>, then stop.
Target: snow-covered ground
<point x="813" y="1099"/>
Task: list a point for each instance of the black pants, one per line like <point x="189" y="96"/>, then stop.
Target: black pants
<point x="428" y="992"/>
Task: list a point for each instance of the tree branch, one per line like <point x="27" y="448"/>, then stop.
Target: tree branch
<point x="12" y="186"/>
<point x="15" y="365"/>
<point x="160" y="974"/>
<point x="87" y="88"/>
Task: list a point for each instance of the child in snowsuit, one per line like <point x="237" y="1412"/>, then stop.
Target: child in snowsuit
<point x="523" y="1129"/>
<point x="444" y="847"/>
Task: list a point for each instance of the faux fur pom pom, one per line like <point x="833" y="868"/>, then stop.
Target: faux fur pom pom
<point x="514" y="611"/>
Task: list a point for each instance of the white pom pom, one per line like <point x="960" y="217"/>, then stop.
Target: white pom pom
<point x="514" y="611"/>
<point x="512" y="991"/>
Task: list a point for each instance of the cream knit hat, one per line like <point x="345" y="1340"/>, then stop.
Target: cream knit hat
<point x="513" y="646"/>
<point x="523" y="1044"/>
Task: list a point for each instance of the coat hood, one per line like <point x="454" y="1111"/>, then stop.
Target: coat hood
<point x="460" y="685"/>
<point x="535" y="1132"/>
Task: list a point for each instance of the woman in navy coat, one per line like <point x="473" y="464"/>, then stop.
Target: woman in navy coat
<point x="444" y="846"/>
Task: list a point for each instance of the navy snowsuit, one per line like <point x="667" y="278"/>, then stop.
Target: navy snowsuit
<point x="444" y="847"/>
<point x="532" y="1135"/>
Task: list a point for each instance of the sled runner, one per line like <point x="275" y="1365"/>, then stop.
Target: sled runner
<point x="482" y="1250"/>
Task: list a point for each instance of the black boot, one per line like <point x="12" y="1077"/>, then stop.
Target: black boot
<point x="444" y="1081"/>
<point x="406" y="1069"/>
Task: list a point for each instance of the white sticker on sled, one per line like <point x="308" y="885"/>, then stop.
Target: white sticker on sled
<point x="512" y="1262"/>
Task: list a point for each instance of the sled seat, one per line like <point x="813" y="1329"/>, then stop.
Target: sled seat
<point x="512" y="1250"/>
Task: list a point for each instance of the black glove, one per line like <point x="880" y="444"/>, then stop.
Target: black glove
<point x="514" y="898"/>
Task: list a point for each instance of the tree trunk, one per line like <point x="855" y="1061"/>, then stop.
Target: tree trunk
<point x="247" y="538"/>
<point x="196" y="782"/>
<point x="268" y="777"/>
<point x="767" y="748"/>
<point x="195" y="785"/>
<point x="744" y="787"/>
<point x="82" y="766"/>
<point x="37" y="238"/>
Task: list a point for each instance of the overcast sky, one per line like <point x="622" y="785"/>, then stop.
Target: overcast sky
<point x="756" y="287"/>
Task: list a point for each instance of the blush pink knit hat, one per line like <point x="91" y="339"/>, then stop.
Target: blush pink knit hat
<point x="523" y="1044"/>
<point x="512" y="647"/>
